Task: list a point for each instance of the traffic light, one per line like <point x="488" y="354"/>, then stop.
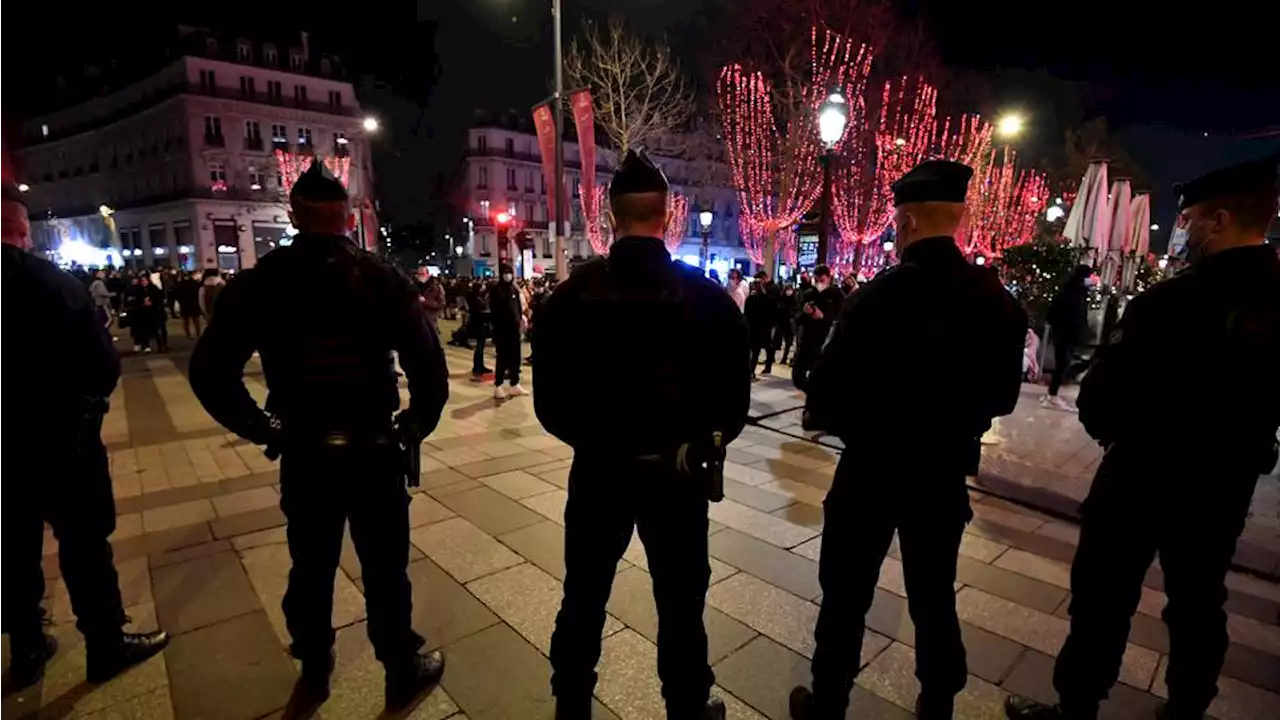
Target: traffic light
<point x="504" y="237"/>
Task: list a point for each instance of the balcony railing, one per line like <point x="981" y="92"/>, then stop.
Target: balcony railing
<point x="528" y="157"/>
<point x="211" y="140"/>
<point x="254" y="143"/>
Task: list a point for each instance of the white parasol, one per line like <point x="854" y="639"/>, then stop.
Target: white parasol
<point x="1089" y="224"/>
<point x="1110" y="248"/>
<point x="1138" y="238"/>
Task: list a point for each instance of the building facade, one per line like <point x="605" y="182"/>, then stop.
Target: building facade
<point x="188" y="166"/>
<point x="503" y="173"/>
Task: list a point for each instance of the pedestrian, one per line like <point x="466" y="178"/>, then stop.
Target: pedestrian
<point x="760" y="311"/>
<point x="325" y="317"/>
<point x="785" y="322"/>
<point x="146" y="313"/>
<point x="101" y="297"/>
<point x="62" y="368"/>
<point x="1069" y="326"/>
<point x="169" y="282"/>
<point x="189" y="305"/>
<point x="921" y="359"/>
<point x="738" y="290"/>
<point x="637" y="463"/>
<point x="433" y="302"/>
<point x="1187" y="504"/>
<point x="210" y="288"/>
<point x="506" y="314"/>
<point x="478" y="327"/>
<point x="819" y="308"/>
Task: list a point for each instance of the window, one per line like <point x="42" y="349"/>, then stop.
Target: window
<point x="304" y="136"/>
<point x="528" y="182"/>
<point x="256" y="179"/>
<point x="247" y="90"/>
<point x="340" y="142"/>
<point x="577" y="187"/>
<point x="207" y="80"/>
<point x="212" y="126"/>
<point x="279" y="133"/>
<point x="511" y="178"/>
<point x="542" y="184"/>
<point x="510" y="146"/>
<point x="244" y="52"/>
<point x="211" y="46"/>
<point x="252" y="131"/>
<point x="482" y="143"/>
<point x="511" y="208"/>
<point x="335" y="99"/>
<point x="217" y="173"/>
<point x="528" y="212"/>
<point x="300" y="94"/>
<point x="274" y="92"/>
<point x="325" y="66"/>
<point x="483" y="180"/>
<point x="296" y="62"/>
<point x="270" y="56"/>
<point x="484" y="208"/>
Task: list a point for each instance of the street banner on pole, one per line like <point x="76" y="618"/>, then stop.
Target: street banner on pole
<point x="545" y="125"/>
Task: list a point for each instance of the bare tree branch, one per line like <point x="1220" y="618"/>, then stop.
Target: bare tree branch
<point x="639" y="90"/>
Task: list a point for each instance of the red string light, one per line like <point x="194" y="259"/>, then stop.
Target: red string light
<point x="292" y="165"/>
<point x="775" y="170"/>
<point x="592" y="203"/>
<point x="1004" y="205"/>
<point x="674" y="236"/>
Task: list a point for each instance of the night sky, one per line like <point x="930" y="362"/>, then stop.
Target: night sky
<point x="1182" y="90"/>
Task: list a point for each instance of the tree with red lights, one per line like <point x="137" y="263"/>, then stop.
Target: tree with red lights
<point x="1004" y="205"/>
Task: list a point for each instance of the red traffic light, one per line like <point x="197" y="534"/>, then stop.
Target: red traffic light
<point x="503" y="218"/>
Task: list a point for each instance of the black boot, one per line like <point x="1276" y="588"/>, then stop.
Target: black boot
<point x="315" y="675"/>
<point x="409" y="680"/>
<point x="934" y="707"/>
<point x="714" y="710"/>
<point x="1173" y="711"/>
<point x="1017" y="707"/>
<point x="27" y="666"/>
<point x="573" y="708"/>
<point x="106" y="661"/>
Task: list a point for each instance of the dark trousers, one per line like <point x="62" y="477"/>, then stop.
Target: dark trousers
<point x="607" y="498"/>
<point x="762" y="345"/>
<point x="321" y="489"/>
<point x="782" y="337"/>
<point x="1063" y="367"/>
<point x="190" y="321"/>
<point x="75" y="498"/>
<point x="477" y="362"/>
<point x="162" y="328"/>
<point x="506" y="366"/>
<point x="857" y="534"/>
<point x="1122" y="531"/>
<point x="807" y="352"/>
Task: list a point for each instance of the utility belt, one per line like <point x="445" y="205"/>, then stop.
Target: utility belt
<point x="406" y="448"/>
<point x="700" y="462"/>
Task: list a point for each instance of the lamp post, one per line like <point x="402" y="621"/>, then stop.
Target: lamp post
<point x="557" y="112"/>
<point x="704" y="222"/>
<point x="832" y="118"/>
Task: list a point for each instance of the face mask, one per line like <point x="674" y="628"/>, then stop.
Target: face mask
<point x="821" y="286"/>
<point x="506" y="277"/>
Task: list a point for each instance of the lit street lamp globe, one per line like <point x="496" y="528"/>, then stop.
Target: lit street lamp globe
<point x="888" y="246"/>
<point x="1009" y="126"/>
<point x="832" y="118"/>
<point x="704" y="219"/>
<point x="371" y="124"/>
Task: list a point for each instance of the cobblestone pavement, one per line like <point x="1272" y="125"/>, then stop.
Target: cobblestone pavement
<point x="200" y="548"/>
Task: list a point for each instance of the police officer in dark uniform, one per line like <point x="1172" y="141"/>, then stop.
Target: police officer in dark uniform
<point x="639" y="458"/>
<point x="325" y="317"/>
<point x="1192" y="362"/>
<point x="59" y="370"/>
<point x="921" y="359"/>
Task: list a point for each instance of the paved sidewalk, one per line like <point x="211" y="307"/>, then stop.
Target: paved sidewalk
<point x="200" y="549"/>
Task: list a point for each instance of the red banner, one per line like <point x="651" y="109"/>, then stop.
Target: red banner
<point x="545" y="125"/>
<point x="585" y="122"/>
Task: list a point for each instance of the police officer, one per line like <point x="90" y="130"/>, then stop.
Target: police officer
<point x="1191" y="362"/>
<point x="921" y="359"/>
<point x="635" y="455"/>
<point x="59" y="369"/>
<point x="325" y="317"/>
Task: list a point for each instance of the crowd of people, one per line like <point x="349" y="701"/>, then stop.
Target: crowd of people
<point x="143" y="300"/>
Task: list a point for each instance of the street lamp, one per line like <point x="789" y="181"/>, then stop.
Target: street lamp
<point x="371" y="124"/>
<point x="23" y="187"/>
<point x="1009" y="126"/>
<point x="832" y="118"/>
<point x="980" y="260"/>
<point x="705" y="219"/>
<point x="1154" y="227"/>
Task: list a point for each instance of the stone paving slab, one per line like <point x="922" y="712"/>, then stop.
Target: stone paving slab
<point x="200" y="542"/>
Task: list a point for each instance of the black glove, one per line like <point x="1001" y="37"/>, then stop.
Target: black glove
<point x="410" y="428"/>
